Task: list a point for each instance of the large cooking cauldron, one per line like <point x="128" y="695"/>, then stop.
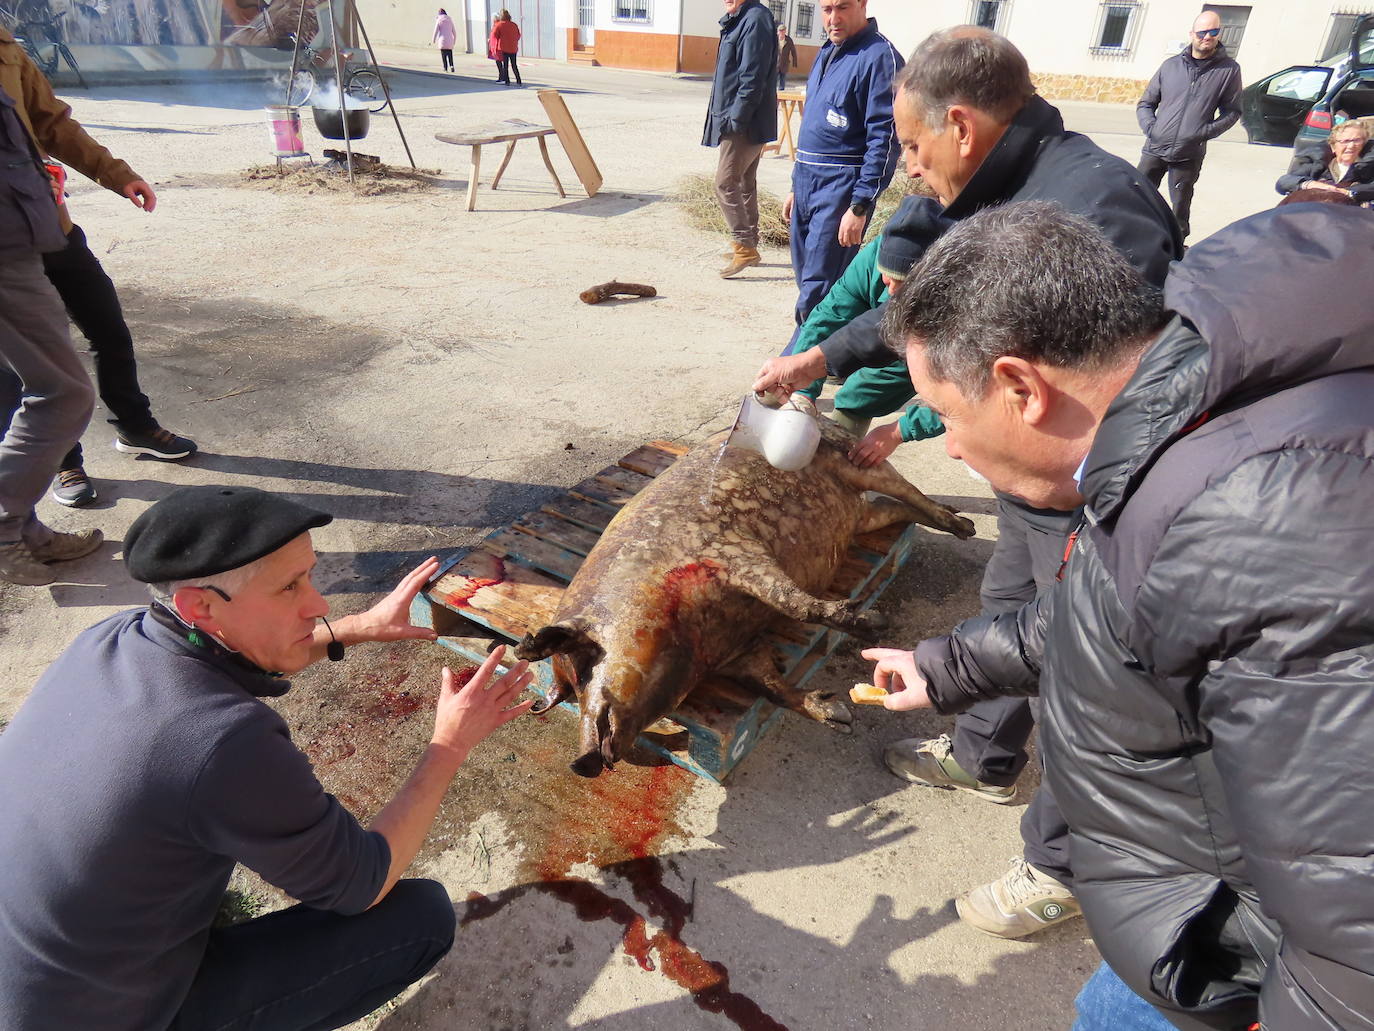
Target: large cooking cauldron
<point x="331" y="125"/>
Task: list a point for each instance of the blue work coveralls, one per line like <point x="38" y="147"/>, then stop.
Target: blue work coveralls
<point x="846" y="153"/>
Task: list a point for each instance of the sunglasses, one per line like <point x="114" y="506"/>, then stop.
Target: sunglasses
<point x="1207" y="32"/>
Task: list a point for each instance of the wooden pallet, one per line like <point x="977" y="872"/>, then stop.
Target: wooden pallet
<point x="512" y="582"/>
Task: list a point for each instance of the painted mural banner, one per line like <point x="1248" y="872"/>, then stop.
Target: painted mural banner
<point x="249" y="23"/>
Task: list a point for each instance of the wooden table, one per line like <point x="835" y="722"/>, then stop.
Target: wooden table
<point x="789" y="102"/>
<point x="508" y="132"/>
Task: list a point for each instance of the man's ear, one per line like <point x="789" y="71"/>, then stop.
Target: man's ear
<point x="1022" y="388"/>
<point x="192" y="605"/>
<point x="960" y="120"/>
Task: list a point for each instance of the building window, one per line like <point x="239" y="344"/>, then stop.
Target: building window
<point x="806" y="13"/>
<point x="1233" y="21"/>
<point x="633" y="10"/>
<point x="989" y="14"/>
<point x="779" y="9"/>
<point x="1118" y="23"/>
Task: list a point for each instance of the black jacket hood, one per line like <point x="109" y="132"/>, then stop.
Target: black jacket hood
<point x="1240" y="334"/>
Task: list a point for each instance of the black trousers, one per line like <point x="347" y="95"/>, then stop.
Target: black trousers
<point x="447" y="57"/>
<point x="507" y="67"/>
<point x="1183" y="176"/>
<point x="91" y="302"/>
<point x="307" y="970"/>
<point x="990" y="737"/>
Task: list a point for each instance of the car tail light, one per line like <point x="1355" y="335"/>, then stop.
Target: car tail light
<point x="1318" y="119"/>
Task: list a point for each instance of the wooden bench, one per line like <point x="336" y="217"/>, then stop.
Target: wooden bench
<point x="511" y="583"/>
<point x="509" y="132"/>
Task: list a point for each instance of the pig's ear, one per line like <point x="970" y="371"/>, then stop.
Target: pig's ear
<point x="550" y="640"/>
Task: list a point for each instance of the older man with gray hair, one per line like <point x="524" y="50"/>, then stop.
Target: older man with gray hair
<point x="1206" y="659"/>
<point x="145" y="764"/>
<point x="971" y="125"/>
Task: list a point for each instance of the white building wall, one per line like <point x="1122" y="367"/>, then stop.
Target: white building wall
<point x="1057" y="35"/>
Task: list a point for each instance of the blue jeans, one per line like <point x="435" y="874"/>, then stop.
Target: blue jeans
<point x="305" y="969"/>
<point x="1107" y="1004"/>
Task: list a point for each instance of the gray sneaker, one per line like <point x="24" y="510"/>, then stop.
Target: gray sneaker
<point x="1022" y="901"/>
<point x="72" y="488"/>
<point x="18" y="566"/>
<point x="931" y="762"/>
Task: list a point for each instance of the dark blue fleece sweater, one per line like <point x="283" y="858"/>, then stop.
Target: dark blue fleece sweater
<point x="137" y="772"/>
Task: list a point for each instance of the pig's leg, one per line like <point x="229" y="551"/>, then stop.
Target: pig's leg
<point x="758" y="669"/>
<point x="758" y="574"/>
<point x="916" y="507"/>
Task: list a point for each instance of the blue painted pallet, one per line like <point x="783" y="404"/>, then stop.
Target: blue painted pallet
<point x="511" y="582"/>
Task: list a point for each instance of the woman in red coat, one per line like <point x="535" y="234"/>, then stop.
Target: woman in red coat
<point x="507" y="36"/>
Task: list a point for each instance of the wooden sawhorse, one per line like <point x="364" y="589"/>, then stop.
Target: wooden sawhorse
<point x="789" y="101"/>
<point x="508" y="132"/>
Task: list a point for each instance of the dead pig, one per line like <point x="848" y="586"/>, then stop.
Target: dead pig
<point x="696" y="565"/>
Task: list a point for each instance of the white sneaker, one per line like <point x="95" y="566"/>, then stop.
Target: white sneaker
<point x="1022" y="901"/>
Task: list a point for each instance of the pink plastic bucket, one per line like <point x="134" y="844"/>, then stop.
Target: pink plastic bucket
<point x="285" y="123"/>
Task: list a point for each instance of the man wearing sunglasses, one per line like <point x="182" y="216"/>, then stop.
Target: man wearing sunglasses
<point x="1194" y="97"/>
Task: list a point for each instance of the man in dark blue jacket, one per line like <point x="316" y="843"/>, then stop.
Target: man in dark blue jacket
<point x="1193" y="97"/>
<point x="742" y="117"/>
<point x="846" y="149"/>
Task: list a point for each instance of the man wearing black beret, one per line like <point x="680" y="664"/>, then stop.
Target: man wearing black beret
<point x="144" y="765"/>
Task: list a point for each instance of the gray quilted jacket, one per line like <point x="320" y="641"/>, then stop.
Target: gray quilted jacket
<point x="1207" y="660"/>
<point x="1187" y="103"/>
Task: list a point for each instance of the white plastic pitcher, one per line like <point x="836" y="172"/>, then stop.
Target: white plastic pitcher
<point x="787" y="437"/>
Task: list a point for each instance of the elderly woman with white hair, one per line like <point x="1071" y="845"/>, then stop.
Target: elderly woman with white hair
<point x="1344" y="164"/>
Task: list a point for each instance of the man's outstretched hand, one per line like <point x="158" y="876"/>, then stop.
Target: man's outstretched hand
<point x="389" y="619"/>
<point x="468" y="712"/>
<point x="894" y="670"/>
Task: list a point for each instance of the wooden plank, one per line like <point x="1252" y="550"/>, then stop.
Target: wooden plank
<point x="505" y="596"/>
<point x="599" y="493"/>
<point x="529" y="550"/>
<point x="581" y="513"/>
<point x="558" y="531"/>
<point x="648" y="460"/>
<point x="583" y="164"/>
<point x="670" y="447"/>
<point x="623" y="479"/>
<point x="501" y="132"/>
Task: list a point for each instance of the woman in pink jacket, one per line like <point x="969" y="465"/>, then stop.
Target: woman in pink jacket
<point x="445" y="35"/>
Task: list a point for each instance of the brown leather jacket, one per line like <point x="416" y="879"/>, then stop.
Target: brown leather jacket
<point x="49" y="121"/>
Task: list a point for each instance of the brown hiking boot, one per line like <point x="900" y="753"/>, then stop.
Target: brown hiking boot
<point x="63" y="547"/>
<point x="18" y="566"/>
<point x="743" y="257"/>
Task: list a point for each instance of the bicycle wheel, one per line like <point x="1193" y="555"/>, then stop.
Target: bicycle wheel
<point x="365" y="85"/>
<point x="71" y="63"/>
<point x="301" y="89"/>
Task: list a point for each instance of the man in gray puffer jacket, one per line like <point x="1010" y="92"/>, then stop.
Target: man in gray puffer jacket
<point x="1194" y="97"/>
<point x="1207" y="659"/>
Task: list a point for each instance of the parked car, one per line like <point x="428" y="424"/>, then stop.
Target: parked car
<point x="1299" y="104"/>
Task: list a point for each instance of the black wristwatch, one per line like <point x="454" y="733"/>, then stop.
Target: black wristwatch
<point x="860" y="208"/>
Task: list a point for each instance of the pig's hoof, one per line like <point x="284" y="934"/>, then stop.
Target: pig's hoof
<point x="958" y="525"/>
<point x="827" y="708"/>
<point x="869" y="625"/>
<point x="588" y="765"/>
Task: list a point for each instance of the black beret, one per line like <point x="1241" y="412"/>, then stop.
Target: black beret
<point x="201" y="531"/>
<point x="914" y="226"/>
